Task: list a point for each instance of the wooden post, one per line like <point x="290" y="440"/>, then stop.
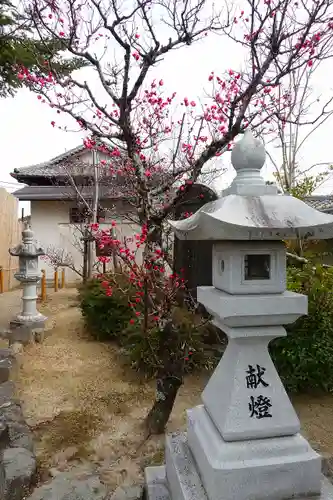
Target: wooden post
<point x="43" y="286"/>
<point x="56" y="280"/>
<point x="63" y="278"/>
<point x="85" y="256"/>
<point x="114" y="256"/>
<point x="2" y="286"/>
<point x="89" y="259"/>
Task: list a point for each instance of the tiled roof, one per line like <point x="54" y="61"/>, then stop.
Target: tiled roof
<point x="323" y="203"/>
<point x="59" y="170"/>
<point x="48" y="168"/>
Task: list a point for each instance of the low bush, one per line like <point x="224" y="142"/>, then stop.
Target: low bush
<point x="105" y="315"/>
<point x="304" y="357"/>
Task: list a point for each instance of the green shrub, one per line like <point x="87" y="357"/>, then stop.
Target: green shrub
<point x="105" y="316"/>
<point x="304" y="357"/>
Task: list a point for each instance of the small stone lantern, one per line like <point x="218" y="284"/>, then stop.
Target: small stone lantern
<point x="28" y="252"/>
<point x="243" y="441"/>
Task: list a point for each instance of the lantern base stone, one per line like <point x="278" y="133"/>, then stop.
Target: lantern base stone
<point x="274" y="468"/>
<point x="24" y="329"/>
<point x="180" y="479"/>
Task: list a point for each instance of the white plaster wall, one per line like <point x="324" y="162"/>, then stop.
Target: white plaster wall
<point x="46" y="217"/>
<point x="87" y="157"/>
<point x="50" y="222"/>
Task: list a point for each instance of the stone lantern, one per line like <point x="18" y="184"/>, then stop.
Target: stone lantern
<point x="243" y="441"/>
<point x="28" y="252"/>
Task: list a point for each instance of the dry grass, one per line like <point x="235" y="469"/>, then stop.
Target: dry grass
<point x="87" y="411"/>
<point x="84" y="406"/>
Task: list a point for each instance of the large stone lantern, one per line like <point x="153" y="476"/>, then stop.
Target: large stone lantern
<point x="28" y="252"/>
<point x="243" y="441"/>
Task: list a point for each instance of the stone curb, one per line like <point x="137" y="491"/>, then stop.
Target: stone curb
<point x="17" y="459"/>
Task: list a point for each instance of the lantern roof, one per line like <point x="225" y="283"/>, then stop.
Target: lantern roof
<point x="252" y="210"/>
<point x="29" y="248"/>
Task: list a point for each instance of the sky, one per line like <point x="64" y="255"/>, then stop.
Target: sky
<point x="27" y="136"/>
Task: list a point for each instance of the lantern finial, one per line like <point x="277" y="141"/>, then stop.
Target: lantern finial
<point x="248" y="157"/>
<point x="27" y="233"/>
<point x="248" y="154"/>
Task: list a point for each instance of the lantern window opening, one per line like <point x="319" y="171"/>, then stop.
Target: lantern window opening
<point x="257" y="267"/>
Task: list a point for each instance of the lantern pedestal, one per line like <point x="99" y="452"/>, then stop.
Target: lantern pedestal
<point x="29" y="313"/>
<point x="245" y="397"/>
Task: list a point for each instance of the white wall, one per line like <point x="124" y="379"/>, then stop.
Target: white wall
<point x="50" y="223"/>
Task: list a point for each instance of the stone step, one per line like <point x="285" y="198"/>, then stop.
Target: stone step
<point x="156" y="484"/>
<point x="183" y="480"/>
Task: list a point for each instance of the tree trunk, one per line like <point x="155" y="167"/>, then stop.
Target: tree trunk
<point x="170" y="379"/>
<point x="167" y="389"/>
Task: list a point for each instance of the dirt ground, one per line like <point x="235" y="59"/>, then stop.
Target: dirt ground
<point x="86" y="409"/>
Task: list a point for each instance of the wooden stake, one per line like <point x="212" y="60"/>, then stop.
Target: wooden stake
<point x="2" y="285"/>
<point x="43" y="286"/>
<point x="63" y="278"/>
<point x="56" y="280"/>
